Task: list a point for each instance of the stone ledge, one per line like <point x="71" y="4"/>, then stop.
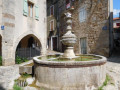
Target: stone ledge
<point x="70" y="64"/>
<point x="26" y="69"/>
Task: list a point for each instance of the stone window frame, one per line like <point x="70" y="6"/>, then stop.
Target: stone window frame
<point x="82" y="11"/>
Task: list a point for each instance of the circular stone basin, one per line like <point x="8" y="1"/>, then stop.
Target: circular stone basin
<point x="69" y="75"/>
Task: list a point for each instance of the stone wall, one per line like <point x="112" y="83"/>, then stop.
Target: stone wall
<point x="0" y="14"/>
<point x="8" y="20"/>
<point x="92" y="27"/>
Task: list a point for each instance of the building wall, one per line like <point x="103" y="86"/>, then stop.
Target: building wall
<point x="53" y="17"/>
<point x="17" y="26"/>
<point x="0" y="26"/>
<point x="92" y="27"/>
<point x="0" y="14"/>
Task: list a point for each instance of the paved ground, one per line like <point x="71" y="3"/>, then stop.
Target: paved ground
<point x="113" y="69"/>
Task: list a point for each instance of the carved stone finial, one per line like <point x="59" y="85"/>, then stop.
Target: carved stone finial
<point x="69" y="39"/>
<point x="68" y="14"/>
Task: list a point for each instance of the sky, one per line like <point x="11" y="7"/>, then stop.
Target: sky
<point x="116" y="8"/>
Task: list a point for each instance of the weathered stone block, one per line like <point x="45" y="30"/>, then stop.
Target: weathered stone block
<point x="26" y="69"/>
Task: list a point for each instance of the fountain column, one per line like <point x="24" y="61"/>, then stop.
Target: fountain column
<point x="69" y="39"/>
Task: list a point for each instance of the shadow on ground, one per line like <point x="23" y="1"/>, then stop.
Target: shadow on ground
<point x="115" y="57"/>
<point x="1" y="88"/>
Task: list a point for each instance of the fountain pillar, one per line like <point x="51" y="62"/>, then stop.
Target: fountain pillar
<point x="69" y="39"/>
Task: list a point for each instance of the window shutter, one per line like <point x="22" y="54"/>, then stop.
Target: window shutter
<point x="36" y="12"/>
<point x="82" y="15"/>
<point x="52" y="25"/>
<point x="25" y="8"/>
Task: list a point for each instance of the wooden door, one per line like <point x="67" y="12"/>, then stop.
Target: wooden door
<point x="55" y="43"/>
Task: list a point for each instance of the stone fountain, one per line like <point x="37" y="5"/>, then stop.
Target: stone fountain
<point x="69" y="39"/>
<point x="70" y="74"/>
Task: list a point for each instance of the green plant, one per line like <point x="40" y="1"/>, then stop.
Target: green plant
<point x="105" y="82"/>
<point x="20" y="60"/>
<point x="42" y="89"/>
<point x="16" y="87"/>
<point x="0" y="60"/>
<point x="112" y="83"/>
<point x="25" y="75"/>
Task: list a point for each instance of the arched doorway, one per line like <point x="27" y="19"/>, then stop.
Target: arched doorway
<point x="28" y="47"/>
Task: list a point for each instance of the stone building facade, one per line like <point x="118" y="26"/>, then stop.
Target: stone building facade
<point x="91" y="28"/>
<point x="52" y="27"/>
<point x="92" y="24"/>
<point x="20" y="20"/>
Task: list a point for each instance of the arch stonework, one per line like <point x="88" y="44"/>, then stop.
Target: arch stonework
<point x="24" y="35"/>
<point x="43" y="50"/>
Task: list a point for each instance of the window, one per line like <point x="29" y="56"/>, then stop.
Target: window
<point x="82" y="14"/>
<point x="52" y="10"/>
<point x="67" y="4"/>
<point x="83" y="45"/>
<point x="30" y="9"/>
<point x="51" y="25"/>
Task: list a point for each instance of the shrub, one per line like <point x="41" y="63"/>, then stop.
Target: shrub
<point x="16" y="87"/>
<point x="20" y="60"/>
<point x="25" y="75"/>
